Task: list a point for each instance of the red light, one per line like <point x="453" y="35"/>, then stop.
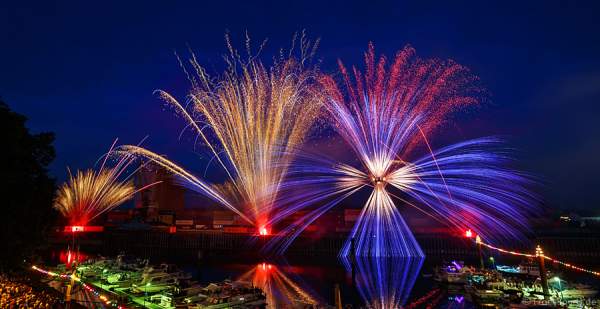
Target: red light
<point x="263" y="231"/>
<point x="82" y="228"/>
<point x="172" y="229"/>
<point x="469" y="233"/>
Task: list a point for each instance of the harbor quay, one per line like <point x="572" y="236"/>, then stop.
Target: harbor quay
<point x="216" y="282"/>
<point x="575" y="247"/>
<point x="160" y="268"/>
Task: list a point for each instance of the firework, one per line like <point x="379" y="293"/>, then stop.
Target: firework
<point x="385" y="116"/>
<point x="257" y="116"/>
<point x="88" y="194"/>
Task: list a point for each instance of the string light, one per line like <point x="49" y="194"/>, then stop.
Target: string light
<point x="86" y="286"/>
<point x="506" y="251"/>
<point x="593" y="272"/>
<point x="538" y="253"/>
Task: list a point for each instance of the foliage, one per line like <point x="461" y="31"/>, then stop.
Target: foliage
<point x="28" y="190"/>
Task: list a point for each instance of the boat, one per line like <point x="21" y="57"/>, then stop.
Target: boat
<point x="165" y="286"/>
<point x="164" y="299"/>
<point x="193" y="289"/>
<point x="577" y="291"/>
<point x="524" y="268"/>
<point x="453" y="273"/>
<point x="252" y="300"/>
<point x="122" y="278"/>
<point x="486" y="295"/>
<point x="227" y="295"/>
<point x="170" y="269"/>
<point x="154" y="282"/>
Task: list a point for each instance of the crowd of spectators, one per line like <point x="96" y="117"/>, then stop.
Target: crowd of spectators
<point x="18" y="291"/>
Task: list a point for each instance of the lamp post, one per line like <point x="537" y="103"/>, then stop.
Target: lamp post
<point x="539" y="253"/>
<point x="469" y="234"/>
<point x="478" y="242"/>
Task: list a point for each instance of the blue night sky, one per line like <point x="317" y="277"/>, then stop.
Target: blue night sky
<point x="87" y="72"/>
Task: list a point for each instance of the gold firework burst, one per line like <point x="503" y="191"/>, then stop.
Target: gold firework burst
<point x="88" y="194"/>
<point x="258" y="116"/>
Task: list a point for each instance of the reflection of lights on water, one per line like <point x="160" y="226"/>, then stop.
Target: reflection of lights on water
<point x="457" y="298"/>
<point x="265" y="266"/>
<point x="282" y="288"/>
<point x="457" y="265"/>
<point x="68" y="257"/>
<point x="384" y="282"/>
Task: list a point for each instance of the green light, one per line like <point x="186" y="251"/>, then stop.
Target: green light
<point x="557" y="279"/>
<point x="491" y="258"/>
<point x="148" y="284"/>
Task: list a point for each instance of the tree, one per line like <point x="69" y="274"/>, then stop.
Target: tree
<point x="28" y="191"/>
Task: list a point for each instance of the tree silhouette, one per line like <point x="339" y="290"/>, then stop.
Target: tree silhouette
<point x="27" y="190"/>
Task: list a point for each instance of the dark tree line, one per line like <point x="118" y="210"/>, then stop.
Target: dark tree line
<point x="27" y="191"/>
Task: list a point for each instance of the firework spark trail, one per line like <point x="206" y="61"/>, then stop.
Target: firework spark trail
<point x="89" y="193"/>
<point x="490" y="198"/>
<point x="189" y="178"/>
<point x="311" y="180"/>
<point x="384" y="116"/>
<point x="380" y="230"/>
<point x="384" y="282"/>
<point x="256" y="114"/>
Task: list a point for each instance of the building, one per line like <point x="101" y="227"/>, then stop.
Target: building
<point x="160" y="202"/>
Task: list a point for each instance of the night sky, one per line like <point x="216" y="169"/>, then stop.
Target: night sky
<point x="88" y="72"/>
